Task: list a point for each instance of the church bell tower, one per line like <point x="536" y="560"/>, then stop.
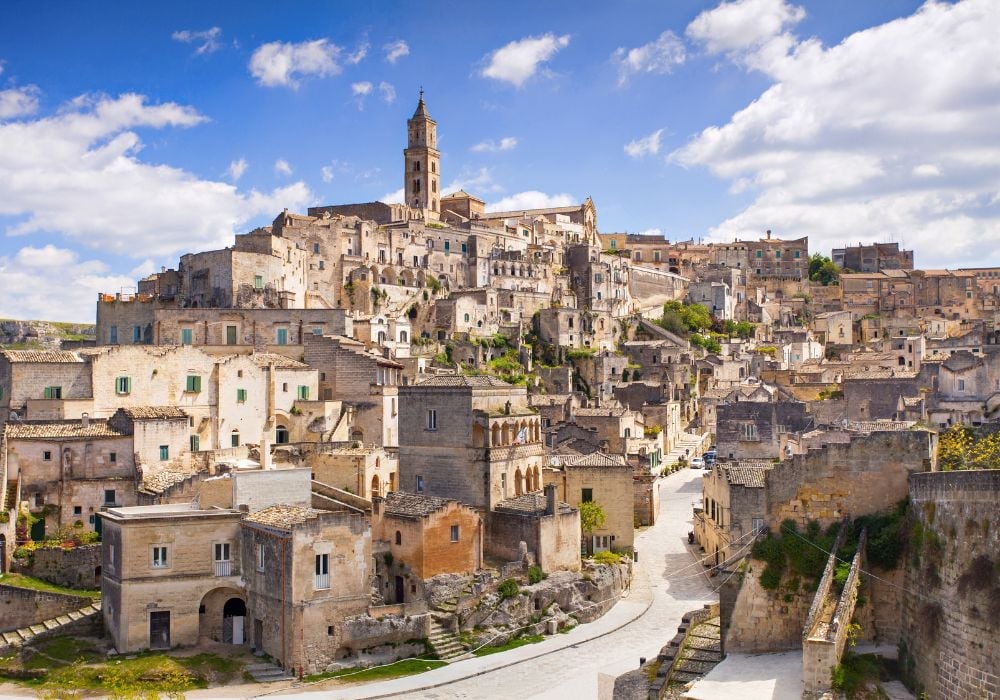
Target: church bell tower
<point x="422" y="163"/>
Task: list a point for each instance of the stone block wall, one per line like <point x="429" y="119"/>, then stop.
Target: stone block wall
<point x="79" y="567"/>
<point x="20" y="607"/>
<point x="951" y="606"/>
<point x="762" y="620"/>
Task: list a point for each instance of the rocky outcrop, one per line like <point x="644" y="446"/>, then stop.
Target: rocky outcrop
<point x="44" y="334"/>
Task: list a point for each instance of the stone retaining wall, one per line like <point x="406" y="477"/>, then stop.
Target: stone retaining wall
<point x="21" y="607"/>
<point x="79" y="567"/>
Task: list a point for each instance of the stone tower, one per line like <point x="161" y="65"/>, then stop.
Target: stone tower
<point x="422" y="163"/>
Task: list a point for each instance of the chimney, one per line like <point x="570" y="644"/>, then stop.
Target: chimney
<point x="265" y="455"/>
<point x="550" y="499"/>
<point x="769" y="234"/>
<point x="85" y="419"/>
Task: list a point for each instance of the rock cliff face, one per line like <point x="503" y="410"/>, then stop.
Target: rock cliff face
<point x="43" y="335"/>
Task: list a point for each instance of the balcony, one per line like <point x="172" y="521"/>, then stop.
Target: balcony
<point x="322" y="582"/>
<point x="223" y="568"/>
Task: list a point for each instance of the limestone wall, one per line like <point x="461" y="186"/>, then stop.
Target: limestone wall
<point x="79" y="567"/>
<point x="765" y="621"/>
<point x="951" y="606"/>
<point x="20" y="607"/>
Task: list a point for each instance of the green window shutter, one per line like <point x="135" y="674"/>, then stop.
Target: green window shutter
<point x="241" y="395"/>
<point x="48" y="392"/>
<point x="195" y="443"/>
<point x="193" y="383"/>
<point x="304" y="393"/>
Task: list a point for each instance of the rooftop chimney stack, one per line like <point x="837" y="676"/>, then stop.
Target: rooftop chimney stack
<point x="550" y="499"/>
<point x="85" y="419"/>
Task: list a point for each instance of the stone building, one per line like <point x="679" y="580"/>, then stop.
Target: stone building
<point x="473" y="439"/>
<point x="368" y="472"/>
<point x="548" y="529"/>
<point x="733" y="508"/>
<point x="606" y="480"/>
<point x="766" y="257"/>
<point x="424" y="536"/>
<point x="754" y="421"/>
<point x="873" y="258"/>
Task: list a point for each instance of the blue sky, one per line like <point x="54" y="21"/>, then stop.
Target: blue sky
<point x="133" y="132"/>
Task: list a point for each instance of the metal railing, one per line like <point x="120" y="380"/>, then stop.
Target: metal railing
<point x="322" y="582"/>
<point x="223" y="568"/>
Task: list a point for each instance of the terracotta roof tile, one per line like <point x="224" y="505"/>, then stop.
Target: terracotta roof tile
<point x="596" y="459"/>
<point x="263" y="359"/>
<point x="60" y="430"/>
<point x="530" y="504"/>
<point x="282" y="517"/>
<point x="748" y="474"/>
<point x="154" y="413"/>
<point x="49" y="356"/>
<point x="474" y="381"/>
<point x="412" y="505"/>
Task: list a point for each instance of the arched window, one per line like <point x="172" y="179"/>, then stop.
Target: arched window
<point x="416" y="166"/>
<point x="433" y="167"/>
<point x="416" y="185"/>
<point x="399" y="537"/>
<point x="234" y="438"/>
<point x="281" y="435"/>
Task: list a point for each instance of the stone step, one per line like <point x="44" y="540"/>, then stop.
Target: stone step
<point x="684" y="677"/>
<point x="89" y="610"/>
<point x="11" y="637"/>
<point x="51" y="624"/>
<point x="26" y="635"/>
<point x="63" y="620"/>
<point x="74" y="615"/>
<point x="36" y="629"/>
<point x="701" y="655"/>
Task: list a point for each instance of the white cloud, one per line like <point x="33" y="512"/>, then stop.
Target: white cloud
<point x="743" y="24"/>
<point x="645" y="146"/>
<point x="281" y="63"/>
<point x="207" y="40"/>
<point x="659" y="56"/>
<point x="507" y="143"/>
<point x="78" y="174"/>
<point x="907" y="146"/>
<point x="51" y="283"/>
<point x="531" y="199"/>
<point x="480" y="180"/>
<point x="18" y="102"/>
<point x="395" y="50"/>
<point x="326" y="172"/>
<point x="361" y="89"/>
<point x="393" y="197"/>
<point x="237" y="168"/>
<point x="359" y="54"/>
<point x="282" y="167"/>
<point x="650" y="232"/>
<point x="388" y="92"/>
<point x="521" y="59"/>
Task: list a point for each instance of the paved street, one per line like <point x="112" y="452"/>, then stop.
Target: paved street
<point x="583" y="663"/>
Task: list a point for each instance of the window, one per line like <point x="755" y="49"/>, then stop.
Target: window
<point x="420" y="484"/>
<point x="315" y="247"/>
<point x="77" y="510"/>
<point x="113" y="457"/>
<point x="777" y="253"/>
<point x="961" y="385"/>
<point x="399" y="537"/>
<point x="748" y="431"/>
<point x="587" y="495"/>
<point x="447" y="246"/>
<point x="241" y="396"/>
<point x="159" y="557"/>
<point x="187" y="336"/>
<point x="123" y="385"/>
<point x="303" y="393"/>
<point x="465" y="248"/>
<point x="193" y="385"/>
<point x="136" y="334"/>
<point x="432" y="419"/>
<point x="195" y="443"/>
<point x="230" y="335"/>
<point x="258" y="282"/>
<point x="113" y="335"/>
<point x="47" y="456"/>
<point x="164" y="453"/>
<point x="757" y="524"/>
<point x="466" y="318"/>
<point x="317" y="331"/>
<point x="52" y="392"/>
<point x="454" y="533"/>
<point x="322" y="571"/>
<point x="760" y="254"/>
<point x="234" y="438"/>
<point x="260" y="557"/>
<point x="110" y="497"/>
<point x="598" y="278"/>
<point x="798" y="254"/>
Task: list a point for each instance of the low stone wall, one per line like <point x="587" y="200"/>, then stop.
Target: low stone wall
<point x="418" y="607"/>
<point x="20" y="607"/>
<point x="79" y="567"/>
<point x="362" y="632"/>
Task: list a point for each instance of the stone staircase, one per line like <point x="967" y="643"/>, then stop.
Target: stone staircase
<point x="48" y="628"/>
<point x="446" y="644"/>
<point x="701" y="653"/>
<point x="689" y="442"/>
<point x="265" y="672"/>
<point x="451" y="604"/>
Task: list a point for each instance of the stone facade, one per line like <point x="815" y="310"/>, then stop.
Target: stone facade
<point x="22" y="607"/>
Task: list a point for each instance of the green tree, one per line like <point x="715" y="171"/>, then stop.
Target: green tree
<point x="823" y="270"/>
<point x="591" y="517"/>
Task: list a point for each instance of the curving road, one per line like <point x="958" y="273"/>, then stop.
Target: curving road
<point x="583" y="663"/>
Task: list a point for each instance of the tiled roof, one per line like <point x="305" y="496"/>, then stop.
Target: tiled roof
<point x="748" y="474"/>
<point x="465" y="381"/>
<point x="912" y="400"/>
<point x="60" y="430"/>
<point x="596" y="459"/>
<point x="282" y="517"/>
<point x="531" y="504"/>
<point x="879" y="373"/>
<point x="600" y="412"/>
<point x="263" y="359"/>
<point x="154" y="413"/>
<point x="60" y="356"/>
<point x="881" y="426"/>
<point x="412" y="505"/>
<point x="159" y="480"/>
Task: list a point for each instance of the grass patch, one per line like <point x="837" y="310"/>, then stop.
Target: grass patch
<point x="856" y="672"/>
<point x="148" y="675"/>
<point x="62" y="651"/>
<point x="521" y="641"/>
<point x="406" y="667"/>
<point x="37" y="584"/>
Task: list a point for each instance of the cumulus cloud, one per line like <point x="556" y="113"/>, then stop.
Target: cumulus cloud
<point x="659" y="56"/>
<point x="395" y="197"/>
<point x="285" y="63"/>
<point x="907" y="146"/>
<point x="282" y="167"/>
<point x="650" y="232"/>
<point x="521" y="59"/>
<point x="388" y="92"/>
<point x="507" y="143"/>
<point x="531" y="199"/>
<point x="78" y="174"/>
<point x="18" y="102"/>
<point x="237" y="168"/>
<point x="205" y="40"/>
<point x="361" y="89"/>
<point x="359" y="54"/>
<point x="395" y="50"/>
<point x="645" y="146"/>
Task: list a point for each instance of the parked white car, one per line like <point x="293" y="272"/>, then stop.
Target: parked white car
<point x="697" y="463"/>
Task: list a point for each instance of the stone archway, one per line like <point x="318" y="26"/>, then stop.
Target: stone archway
<point x="221" y="616"/>
<point x="376" y="490"/>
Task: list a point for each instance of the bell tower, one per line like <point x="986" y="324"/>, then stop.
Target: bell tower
<point x="422" y="163"/>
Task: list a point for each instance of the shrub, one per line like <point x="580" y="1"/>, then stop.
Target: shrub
<point x="535" y="574"/>
<point x="607" y="558"/>
<point x="508" y="589"/>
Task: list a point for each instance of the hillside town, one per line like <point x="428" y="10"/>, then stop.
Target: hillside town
<point x="372" y="433"/>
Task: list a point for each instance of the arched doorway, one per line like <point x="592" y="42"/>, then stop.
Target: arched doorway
<point x="234" y="612"/>
<point x="281" y="436"/>
<point x="375" y="487"/>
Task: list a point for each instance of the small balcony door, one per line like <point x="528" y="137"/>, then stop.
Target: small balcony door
<point x="223" y="564"/>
